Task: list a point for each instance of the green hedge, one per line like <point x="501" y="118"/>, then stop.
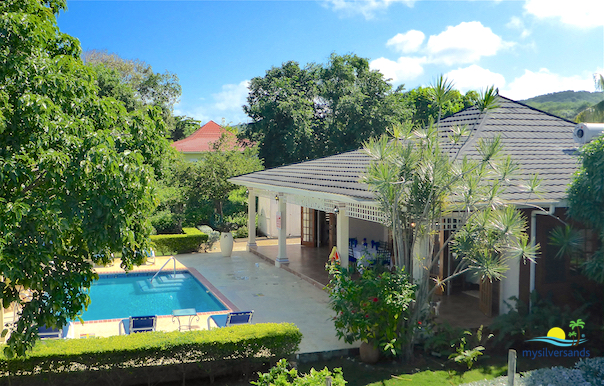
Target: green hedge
<point x="175" y="244"/>
<point x="224" y="348"/>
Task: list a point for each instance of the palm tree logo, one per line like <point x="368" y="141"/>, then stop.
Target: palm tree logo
<point x="576" y="325"/>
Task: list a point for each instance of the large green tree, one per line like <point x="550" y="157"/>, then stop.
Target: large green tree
<point x="136" y="84"/>
<point x="300" y="113"/>
<point x="76" y="172"/>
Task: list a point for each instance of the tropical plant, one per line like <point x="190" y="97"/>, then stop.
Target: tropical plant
<point x="469" y="355"/>
<point x="373" y="308"/>
<point x="418" y="184"/>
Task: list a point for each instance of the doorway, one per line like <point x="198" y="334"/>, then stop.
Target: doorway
<point x="318" y="228"/>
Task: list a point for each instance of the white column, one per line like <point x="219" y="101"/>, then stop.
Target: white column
<point x="342" y="234"/>
<point x="251" y="221"/>
<point x="282" y="255"/>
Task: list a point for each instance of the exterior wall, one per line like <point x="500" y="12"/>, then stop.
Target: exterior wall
<point x="366" y="229"/>
<point x="267" y="210"/>
<point x="509" y="286"/>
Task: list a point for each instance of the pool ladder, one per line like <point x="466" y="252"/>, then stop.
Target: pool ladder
<point x="162" y="267"/>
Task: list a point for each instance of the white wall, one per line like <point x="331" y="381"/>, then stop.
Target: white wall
<point x="366" y="229"/>
<point x="510" y="285"/>
<point x="267" y="210"/>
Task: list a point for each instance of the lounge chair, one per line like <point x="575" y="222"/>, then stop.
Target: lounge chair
<point x="53" y="333"/>
<point x="138" y="324"/>
<point x="232" y="318"/>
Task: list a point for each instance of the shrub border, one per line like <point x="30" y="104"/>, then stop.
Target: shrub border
<point x="131" y="358"/>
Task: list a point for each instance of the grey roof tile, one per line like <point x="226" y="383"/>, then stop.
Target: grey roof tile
<point x="541" y="143"/>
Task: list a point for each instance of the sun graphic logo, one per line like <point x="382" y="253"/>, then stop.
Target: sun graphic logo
<point x="557" y="336"/>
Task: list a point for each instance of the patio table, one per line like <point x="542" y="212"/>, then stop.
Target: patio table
<point x="190" y="312"/>
<point x="370" y="255"/>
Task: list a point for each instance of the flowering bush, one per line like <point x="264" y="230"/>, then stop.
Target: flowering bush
<point x="373" y="307"/>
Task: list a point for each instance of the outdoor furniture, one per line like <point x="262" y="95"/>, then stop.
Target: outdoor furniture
<point x="138" y="324"/>
<point x="232" y="318"/>
<point x="50" y="333"/>
<point x="190" y="312"/>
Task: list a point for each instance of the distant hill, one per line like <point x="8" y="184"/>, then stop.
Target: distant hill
<point x="565" y="104"/>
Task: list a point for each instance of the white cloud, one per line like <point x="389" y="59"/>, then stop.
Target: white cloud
<point x="579" y="13"/>
<point x="531" y="84"/>
<point x="225" y="104"/>
<point x="467" y="42"/>
<point x="516" y="23"/>
<point x="367" y="8"/>
<point x="475" y="77"/>
<point x="403" y="69"/>
<point x="408" y="42"/>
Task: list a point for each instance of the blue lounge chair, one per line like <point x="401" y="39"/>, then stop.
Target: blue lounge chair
<point x="232" y="318"/>
<point x="50" y="333"/>
<point x="139" y="324"/>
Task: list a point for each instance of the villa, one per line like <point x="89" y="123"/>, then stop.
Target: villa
<point x="329" y="204"/>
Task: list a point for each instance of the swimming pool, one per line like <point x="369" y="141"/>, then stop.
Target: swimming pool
<point x="118" y="296"/>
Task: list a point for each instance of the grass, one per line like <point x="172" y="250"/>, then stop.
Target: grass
<point x="424" y="371"/>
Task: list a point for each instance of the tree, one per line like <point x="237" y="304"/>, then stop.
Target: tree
<point x="184" y="126"/>
<point x="208" y="178"/>
<point x="319" y="110"/>
<point x="135" y="83"/>
<point x="76" y="172"/>
<point x="425" y="106"/>
<point x="586" y="201"/>
<point x="418" y="184"/>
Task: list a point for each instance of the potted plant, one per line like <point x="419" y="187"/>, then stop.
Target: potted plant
<point x="226" y="236"/>
<point x="372" y="308"/>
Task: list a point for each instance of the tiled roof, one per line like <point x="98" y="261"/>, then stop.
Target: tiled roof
<point x="541" y="143"/>
<point x="202" y="139"/>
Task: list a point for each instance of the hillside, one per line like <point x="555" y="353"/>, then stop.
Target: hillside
<point x="565" y="104"/>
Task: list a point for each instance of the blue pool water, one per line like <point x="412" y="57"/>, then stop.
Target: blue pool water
<point x="121" y="296"/>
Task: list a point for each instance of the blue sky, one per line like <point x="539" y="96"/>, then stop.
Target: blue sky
<point x="524" y="47"/>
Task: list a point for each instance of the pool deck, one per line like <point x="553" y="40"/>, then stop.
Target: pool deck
<point x="249" y="283"/>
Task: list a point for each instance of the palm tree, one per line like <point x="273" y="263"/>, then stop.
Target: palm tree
<point x="578" y="325"/>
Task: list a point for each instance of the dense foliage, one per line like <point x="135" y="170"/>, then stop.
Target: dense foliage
<point x="426" y="109"/>
<point x="301" y="113"/>
<point x="208" y="349"/>
<point x="76" y="171"/>
<point x="282" y="376"/>
<point x="586" y="201"/>
<point x="520" y="324"/>
<point x="134" y="83"/>
<point x="195" y="193"/>
<point x="373" y="308"/>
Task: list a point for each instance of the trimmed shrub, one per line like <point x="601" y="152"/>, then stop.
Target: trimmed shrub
<point x="190" y="241"/>
<point x="129" y="357"/>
